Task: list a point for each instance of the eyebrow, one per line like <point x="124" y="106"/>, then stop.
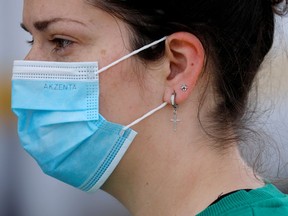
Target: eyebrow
<point x="43" y="25"/>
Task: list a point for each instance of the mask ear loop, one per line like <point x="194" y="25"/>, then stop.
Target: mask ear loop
<point x="143" y="117"/>
<point x="124" y="58"/>
<point x="131" y="54"/>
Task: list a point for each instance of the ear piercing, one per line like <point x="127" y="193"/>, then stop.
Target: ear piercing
<point x="184" y="87"/>
<point x="172" y="99"/>
<point x="175" y="120"/>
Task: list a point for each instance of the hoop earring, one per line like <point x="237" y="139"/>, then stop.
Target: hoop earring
<point x="172" y="99"/>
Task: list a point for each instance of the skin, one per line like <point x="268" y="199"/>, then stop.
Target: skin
<point x="163" y="172"/>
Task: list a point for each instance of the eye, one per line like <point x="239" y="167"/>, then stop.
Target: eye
<point x="60" y="44"/>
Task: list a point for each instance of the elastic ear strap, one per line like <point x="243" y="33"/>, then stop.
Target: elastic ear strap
<point x="131" y="54"/>
<point x="145" y="116"/>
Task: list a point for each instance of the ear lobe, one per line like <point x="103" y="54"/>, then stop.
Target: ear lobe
<point x="186" y="57"/>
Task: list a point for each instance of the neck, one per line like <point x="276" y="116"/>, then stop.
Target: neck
<point x="169" y="190"/>
<point x="179" y="175"/>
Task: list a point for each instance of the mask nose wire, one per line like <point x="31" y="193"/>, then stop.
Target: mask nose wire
<point x="131" y="54"/>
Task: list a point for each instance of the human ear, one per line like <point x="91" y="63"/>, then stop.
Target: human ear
<point x="186" y="58"/>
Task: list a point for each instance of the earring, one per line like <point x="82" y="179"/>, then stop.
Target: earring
<point x="184" y="87"/>
<point x="172" y="99"/>
<point x="175" y="120"/>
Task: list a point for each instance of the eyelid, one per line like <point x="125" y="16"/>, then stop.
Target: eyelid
<point x="59" y="44"/>
<point x="62" y="37"/>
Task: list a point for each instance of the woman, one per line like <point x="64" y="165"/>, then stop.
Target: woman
<point x="180" y="71"/>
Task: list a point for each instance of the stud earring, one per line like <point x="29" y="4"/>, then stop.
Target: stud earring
<point x="184" y="87"/>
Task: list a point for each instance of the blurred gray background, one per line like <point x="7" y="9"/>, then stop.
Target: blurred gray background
<point x="26" y="191"/>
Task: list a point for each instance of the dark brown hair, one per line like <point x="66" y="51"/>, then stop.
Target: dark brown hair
<point x="236" y="36"/>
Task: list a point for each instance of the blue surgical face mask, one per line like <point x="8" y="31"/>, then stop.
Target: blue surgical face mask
<point x="59" y="124"/>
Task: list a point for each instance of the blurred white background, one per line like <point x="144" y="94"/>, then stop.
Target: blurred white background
<point x="26" y="191"/>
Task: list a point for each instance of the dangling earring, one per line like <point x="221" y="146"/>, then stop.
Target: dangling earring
<point x="175" y="120"/>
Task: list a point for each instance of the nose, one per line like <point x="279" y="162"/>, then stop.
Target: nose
<point x="36" y="53"/>
<point x="29" y="56"/>
<point x="33" y="55"/>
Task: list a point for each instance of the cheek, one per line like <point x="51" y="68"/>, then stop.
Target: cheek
<point x="103" y="53"/>
<point x="110" y="91"/>
<point x="120" y="98"/>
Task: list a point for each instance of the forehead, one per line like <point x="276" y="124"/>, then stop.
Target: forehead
<point x="44" y="9"/>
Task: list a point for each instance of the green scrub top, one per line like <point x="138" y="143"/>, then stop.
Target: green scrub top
<point x="265" y="201"/>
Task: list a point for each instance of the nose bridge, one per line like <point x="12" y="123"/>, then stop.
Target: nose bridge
<point x="29" y="55"/>
<point x="37" y="53"/>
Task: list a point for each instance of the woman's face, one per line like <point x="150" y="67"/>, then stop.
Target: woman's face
<point x="72" y="31"/>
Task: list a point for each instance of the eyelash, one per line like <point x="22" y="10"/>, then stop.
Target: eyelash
<point x="60" y="44"/>
<point x="30" y="42"/>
